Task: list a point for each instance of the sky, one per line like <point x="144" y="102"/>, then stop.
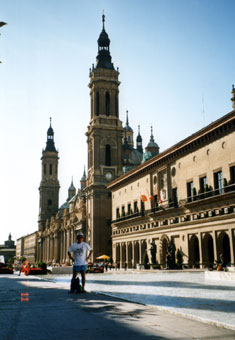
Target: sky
<point x="176" y="63"/>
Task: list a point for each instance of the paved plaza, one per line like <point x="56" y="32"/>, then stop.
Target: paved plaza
<point x="41" y="309"/>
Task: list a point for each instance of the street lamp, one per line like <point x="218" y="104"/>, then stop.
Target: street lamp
<point x="2" y="23"/>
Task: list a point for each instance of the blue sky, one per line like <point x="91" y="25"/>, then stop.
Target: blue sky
<point x="173" y="56"/>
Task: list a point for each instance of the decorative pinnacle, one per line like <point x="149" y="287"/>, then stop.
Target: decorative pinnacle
<point x="233" y="97"/>
<point x="138" y="129"/>
<point x="127" y="120"/>
<point x="151" y="137"/>
<point x="50" y="121"/>
<point x="103" y="19"/>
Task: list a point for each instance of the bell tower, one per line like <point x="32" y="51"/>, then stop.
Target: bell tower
<point x="104" y="138"/>
<point x="49" y="186"/>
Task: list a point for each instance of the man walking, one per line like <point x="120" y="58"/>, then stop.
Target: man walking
<point x="81" y="253"/>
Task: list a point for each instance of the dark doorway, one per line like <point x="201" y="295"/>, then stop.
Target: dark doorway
<point x="194" y="255"/>
<point x="224" y="247"/>
<point x="208" y="251"/>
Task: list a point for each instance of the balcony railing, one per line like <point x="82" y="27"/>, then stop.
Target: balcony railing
<point x="127" y="217"/>
<point x="210" y="193"/>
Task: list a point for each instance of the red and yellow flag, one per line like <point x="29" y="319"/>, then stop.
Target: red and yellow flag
<point x="143" y="198"/>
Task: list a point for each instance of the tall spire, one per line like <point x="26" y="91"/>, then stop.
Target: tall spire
<point x="103" y="59"/>
<point x="233" y="97"/>
<point x="50" y="146"/>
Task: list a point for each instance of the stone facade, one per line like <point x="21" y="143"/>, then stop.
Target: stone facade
<point x="8" y="249"/>
<point x="26" y="247"/>
<point x="185" y="194"/>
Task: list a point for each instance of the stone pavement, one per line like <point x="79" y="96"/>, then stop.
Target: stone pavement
<point x="36" y="309"/>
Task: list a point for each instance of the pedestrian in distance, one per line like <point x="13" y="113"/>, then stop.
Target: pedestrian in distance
<point x="81" y="254"/>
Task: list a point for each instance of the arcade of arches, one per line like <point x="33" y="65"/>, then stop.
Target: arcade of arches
<point x="203" y="249"/>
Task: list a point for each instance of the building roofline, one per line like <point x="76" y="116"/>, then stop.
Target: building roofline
<point x="144" y="166"/>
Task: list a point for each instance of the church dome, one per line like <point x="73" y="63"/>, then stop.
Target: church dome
<point x="128" y="128"/>
<point x="72" y="187"/>
<point x="152" y="144"/>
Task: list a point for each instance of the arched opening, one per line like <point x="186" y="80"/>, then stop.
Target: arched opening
<point x="164" y="251"/>
<point x="108" y="155"/>
<point x="223" y="247"/>
<point x="208" y="251"/>
<point x="136" y="254"/>
<point x="107" y="103"/>
<point x="118" y="255"/>
<point x="129" y="265"/>
<point x="194" y="255"/>
<point x="116" y="106"/>
<point x="123" y="255"/>
<point x="97" y="104"/>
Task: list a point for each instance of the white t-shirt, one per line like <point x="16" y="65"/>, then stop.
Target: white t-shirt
<point x="80" y="253"/>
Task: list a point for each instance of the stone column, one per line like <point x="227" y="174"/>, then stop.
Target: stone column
<point x="215" y="245"/>
<point x="56" y="247"/>
<point x="127" y="257"/>
<point x="231" y="242"/>
<point x="200" y="248"/>
<point x="121" y="256"/>
<point x="133" y="254"/>
<point x="140" y="252"/>
<point x="114" y="252"/>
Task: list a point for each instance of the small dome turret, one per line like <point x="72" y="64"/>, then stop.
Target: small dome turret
<point x="83" y="180"/>
<point x="152" y="149"/>
<point x="50" y="146"/>
<point x="71" y="191"/>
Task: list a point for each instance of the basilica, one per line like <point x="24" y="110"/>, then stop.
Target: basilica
<point x="111" y="153"/>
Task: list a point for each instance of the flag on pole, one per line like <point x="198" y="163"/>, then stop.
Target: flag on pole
<point x="143" y="198"/>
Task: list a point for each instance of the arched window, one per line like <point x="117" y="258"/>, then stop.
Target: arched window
<point x="49" y="202"/>
<point x="107" y="103"/>
<point x="107" y="155"/>
<point x="45" y="169"/>
<point x="116" y="105"/>
<point x="97" y="104"/>
<point x="50" y="169"/>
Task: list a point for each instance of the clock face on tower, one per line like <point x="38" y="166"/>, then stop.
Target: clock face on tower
<point x="108" y="176"/>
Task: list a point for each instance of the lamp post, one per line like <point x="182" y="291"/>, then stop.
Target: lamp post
<point x="2" y="23"/>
